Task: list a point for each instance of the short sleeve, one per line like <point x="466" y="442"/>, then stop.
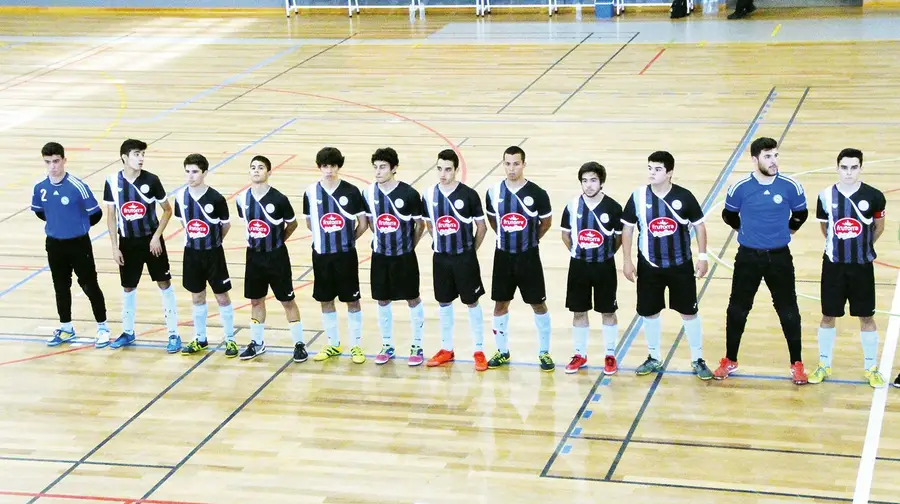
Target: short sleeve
<point x="357" y="204"/>
<point x="157" y="190"/>
<point x="475" y="205"/>
<point x="488" y="205"/>
<point x="629" y="217"/>
<point x="90" y="203"/>
<point x="615" y="218"/>
<point x="36" y="204"/>
<point x="414" y="201"/>
<point x="566" y="218"/>
<point x="424" y="206"/>
<point x="543" y="205"/>
<point x="107" y="194"/>
<point x="287" y="210"/>
<point x="693" y="211"/>
<point x="821" y="214"/>
<point x="177" y="209"/>
<point x="305" y="203"/>
<point x="221" y="209"/>
<point x="366" y="207"/>
<point x="239" y="208"/>
<point x="797" y="197"/>
<point x="734" y="198"/>
<point x="878" y="206"/>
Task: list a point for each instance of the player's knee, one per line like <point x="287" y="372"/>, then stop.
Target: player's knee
<point x="610" y="319"/>
<point x="257" y="302"/>
<point x="539" y="309"/>
<point x="501" y="308"/>
<point x="353" y="306"/>
<point x="867" y="324"/>
<point x="827" y="322"/>
<point x="223" y="299"/>
<point x="383" y="303"/>
<point x="414" y="302"/>
<point x="738" y="311"/>
<point x="789" y="316"/>
<point x="165" y="284"/>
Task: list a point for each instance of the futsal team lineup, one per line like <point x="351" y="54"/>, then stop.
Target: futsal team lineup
<point x="642" y="245"/>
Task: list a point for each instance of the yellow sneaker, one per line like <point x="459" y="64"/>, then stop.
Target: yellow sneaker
<point x="819" y="375"/>
<point x="328" y="352"/>
<point x="876" y="380"/>
<point x="357" y="355"/>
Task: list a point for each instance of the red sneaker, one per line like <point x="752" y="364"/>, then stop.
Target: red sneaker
<point x="575" y="364"/>
<point x="480" y="362"/>
<point x="798" y="374"/>
<point x="442" y="357"/>
<point x="610" y="366"/>
<point x="726" y="367"/>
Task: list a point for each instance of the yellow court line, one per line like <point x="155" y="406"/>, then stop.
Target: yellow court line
<point x="776" y="30"/>
<point x="123" y="106"/>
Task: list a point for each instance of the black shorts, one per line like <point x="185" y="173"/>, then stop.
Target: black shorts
<point x="264" y="269"/>
<point x="457" y="275"/>
<point x="336" y="276"/>
<point x="523" y="271"/>
<point x="652" y="283"/>
<point x="592" y="281"/>
<point x="394" y="278"/>
<point x="136" y="252"/>
<point x="847" y="282"/>
<point x="205" y="266"/>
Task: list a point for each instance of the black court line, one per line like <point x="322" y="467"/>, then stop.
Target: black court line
<point x="583" y="84"/>
<point x="655" y="385"/>
<point x="539" y="77"/>
<point x="304" y="274"/>
<point x="128" y="422"/>
<point x="718" y="489"/>
<point x="222" y="425"/>
<point x="60" y="461"/>
<point x="254" y="88"/>
<point x="488" y="174"/>
<point x="628" y="332"/>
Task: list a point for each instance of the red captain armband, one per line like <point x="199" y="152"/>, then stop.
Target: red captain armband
<point x="880" y="215"/>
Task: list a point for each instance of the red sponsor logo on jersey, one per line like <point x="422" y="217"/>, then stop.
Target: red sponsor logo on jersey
<point x="513" y="222"/>
<point x="590" y="238"/>
<point x="387" y="223"/>
<point x="331" y="222"/>
<point x="847" y="228"/>
<point x="258" y="229"/>
<point x="879" y="215"/>
<point x="662" y="226"/>
<point x="196" y="228"/>
<point x="447" y="225"/>
<point x="133" y="210"/>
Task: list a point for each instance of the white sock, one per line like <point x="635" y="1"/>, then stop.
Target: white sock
<point x="417" y="321"/>
<point x="476" y="327"/>
<point x="501" y="337"/>
<point x="652" y="333"/>
<point x="199" y="312"/>
<point x="129" y="306"/>
<point x="580" y="339"/>
<point x="693" y="329"/>
<point x="386" y="324"/>
<point x="101" y="326"/>
<point x="330" y="324"/>
<point x="445" y="313"/>
<point x="170" y="309"/>
<point x="542" y="322"/>
<point x="227" y="314"/>
<point x="610" y="338"/>
<point x="256" y="331"/>
<point x="354" y="326"/>
<point x="67" y="326"/>
<point x="296" y="331"/>
<point x="826" y="344"/>
<point x="869" y="341"/>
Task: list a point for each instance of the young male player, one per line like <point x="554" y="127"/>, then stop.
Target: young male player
<point x="394" y="211"/>
<point x="455" y="221"/>
<point x="519" y="213"/>
<point x="765" y="208"/>
<point x="270" y="221"/>
<point x="851" y="214"/>
<point x="69" y="209"/>
<point x="204" y="216"/>
<point x="336" y="216"/>
<point x="131" y="195"/>
<point x="664" y="214"/>
<point x="591" y="231"/>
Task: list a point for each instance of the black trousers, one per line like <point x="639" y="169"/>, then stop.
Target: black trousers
<point x="66" y="256"/>
<point x="776" y="267"/>
<point x="743" y="5"/>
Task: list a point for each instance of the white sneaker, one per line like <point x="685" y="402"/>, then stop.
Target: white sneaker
<point x="102" y="338"/>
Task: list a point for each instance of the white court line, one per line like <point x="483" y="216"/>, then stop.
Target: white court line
<point x="879" y="401"/>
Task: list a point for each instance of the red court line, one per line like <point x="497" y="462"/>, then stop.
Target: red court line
<point x="892" y="190"/>
<point x="653" y="60"/>
<point x="886" y="265"/>
<point x="51" y="354"/>
<point x="86" y="56"/>
<point x="92" y="498"/>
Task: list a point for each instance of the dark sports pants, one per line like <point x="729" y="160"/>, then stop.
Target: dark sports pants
<point x="66" y="256"/>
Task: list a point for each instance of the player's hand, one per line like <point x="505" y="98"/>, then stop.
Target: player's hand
<point x="118" y="257"/>
<point x="155" y="247"/>
<point x="702" y="268"/>
<point x="629" y="271"/>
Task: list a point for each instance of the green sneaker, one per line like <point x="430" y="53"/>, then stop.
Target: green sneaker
<point x="649" y="366"/>
<point x="231" y="349"/>
<point x="194" y="347"/>
<point x="499" y="359"/>
<point x="546" y="362"/>
<point x="701" y="370"/>
<point x="819" y="375"/>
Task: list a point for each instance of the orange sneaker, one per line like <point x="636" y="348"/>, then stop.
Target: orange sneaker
<point x="480" y="362"/>
<point x="578" y="361"/>
<point x="726" y="367"/>
<point x="798" y="374"/>
<point x="442" y="357"/>
<point x="610" y="366"/>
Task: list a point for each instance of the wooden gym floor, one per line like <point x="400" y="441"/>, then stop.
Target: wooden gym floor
<point x="85" y="425"/>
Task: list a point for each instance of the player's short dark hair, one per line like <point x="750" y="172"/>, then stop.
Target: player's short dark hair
<point x="762" y="144"/>
<point x="512" y="150"/>
<point x="664" y="157"/>
<point x="851" y="153"/>
<point x="593" y="167"/>
<point x="53" y="149"/>
<point x="131" y="145"/>
<point x="449" y="155"/>
<point x="329" y="156"/>
<point x="197" y="159"/>
<point x="388" y="155"/>
<point x="264" y="160"/>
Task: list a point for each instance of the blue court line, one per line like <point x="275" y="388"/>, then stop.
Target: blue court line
<point x="211" y="169"/>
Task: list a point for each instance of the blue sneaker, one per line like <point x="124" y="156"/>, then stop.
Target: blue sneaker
<point x="174" y="345"/>
<point x="124" y="339"/>
<point x="61" y="336"/>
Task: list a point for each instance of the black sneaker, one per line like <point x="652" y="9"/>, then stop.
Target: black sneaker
<point x="300" y="354"/>
<point x="231" y="349"/>
<point x="499" y="359"/>
<point x="253" y="350"/>
<point x="897" y="381"/>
